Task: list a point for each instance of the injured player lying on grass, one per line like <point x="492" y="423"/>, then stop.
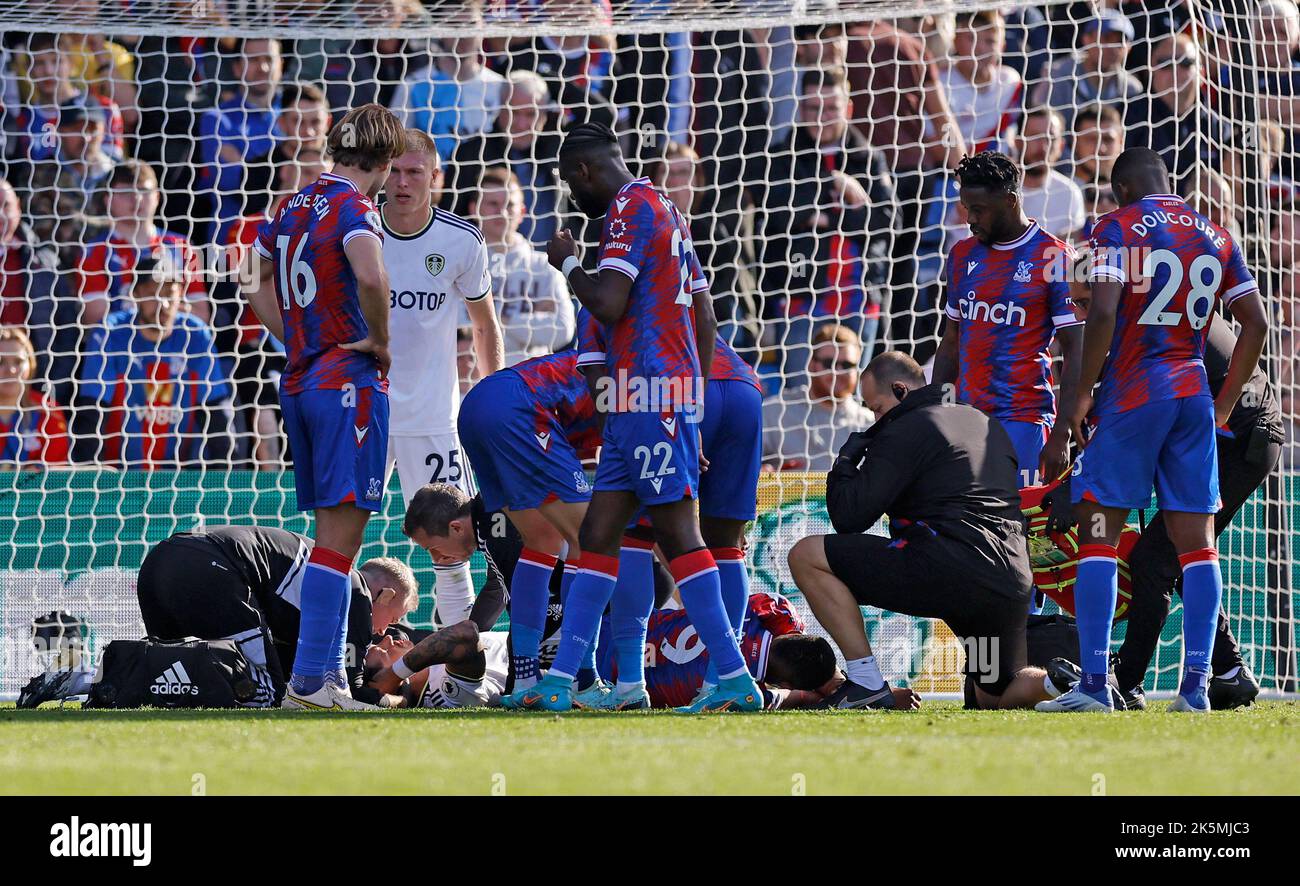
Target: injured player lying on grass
<point x="461" y="666"/>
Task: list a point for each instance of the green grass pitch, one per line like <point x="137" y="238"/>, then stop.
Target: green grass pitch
<point x="940" y="749"/>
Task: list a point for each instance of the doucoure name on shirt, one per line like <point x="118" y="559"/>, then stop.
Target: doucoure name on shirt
<point x="1159" y="218"/>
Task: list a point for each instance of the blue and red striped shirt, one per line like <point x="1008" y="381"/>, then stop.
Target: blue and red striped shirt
<point x="1008" y="300"/>
<point x="1175" y="265"/>
<point x="318" y="292"/>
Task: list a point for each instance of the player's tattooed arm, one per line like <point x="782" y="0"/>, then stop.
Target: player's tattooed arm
<point x="458" y="642"/>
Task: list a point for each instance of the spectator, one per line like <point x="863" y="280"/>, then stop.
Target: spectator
<point x="985" y="95"/>
<point x="1272" y="145"/>
<point x="68" y="189"/>
<point x="899" y="102"/>
<point x="1271" y="74"/>
<point x="33" y="429"/>
<point x="1098" y="140"/>
<point x="302" y="123"/>
<point x="1095" y="73"/>
<point x="1049" y="197"/>
<point x="304" y="119"/>
<point x="106" y="70"/>
<point x="654" y="90"/>
<point x="259" y="358"/>
<point x="731" y="109"/>
<point x="105" y="271"/>
<point x="167" y="70"/>
<point x="900" y="106"/>
<point x="804" y="425"/>
<point x="236" y="138"/>
<point x="1171" y="118"/>
<point x="153" y="393"/>
<point x="723" y="252"/>
<point x="49" y="72"/>
<point x="1209" y="193"/>
<point x="822" y="45"/>
<point x="458" y="96"/>
<point x="532" y="298"/>
<point x="522" y="140"/>
<point x="1284" y="239"/>
<point x="830" y="223"/>
<point x="33" y="295"/>
<point x="175" y="79"/>
<point x="1097" y="201"/>
<point x="357" y="71"/>
<point x="579" y="70"/>
<point x="1027" y="38"/>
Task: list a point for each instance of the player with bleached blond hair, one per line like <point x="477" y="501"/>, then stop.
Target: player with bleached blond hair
<point x="437" y="268"/>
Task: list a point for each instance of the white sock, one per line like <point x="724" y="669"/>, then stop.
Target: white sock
<point x="865" y="672"/>
<point x="525" y="682"/>
<point x="453" y="593"/>
<point x="622" y="688"/>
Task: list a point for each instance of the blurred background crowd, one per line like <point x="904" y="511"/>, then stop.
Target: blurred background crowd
<point x="812" y="161"/>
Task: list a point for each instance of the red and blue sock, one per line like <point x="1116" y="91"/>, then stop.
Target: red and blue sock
<point x="697" y="579"/>
<point x="529" y="596"/>
<point x="325" y="591"/>
<point x="566" y="580"/>
<point x="1095" y="588"/>
<point x="589" y="594"/>
<point x="634" y="599"/>
<point x="735" y="595"/>
<point x="1202" y="593"/>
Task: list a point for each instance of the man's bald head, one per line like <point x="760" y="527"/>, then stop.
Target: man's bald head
<point x="888" y="379"/>
<point x="895" y="366"/>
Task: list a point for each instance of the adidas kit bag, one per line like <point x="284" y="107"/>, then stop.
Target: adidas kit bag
<point x="189" y="673"/>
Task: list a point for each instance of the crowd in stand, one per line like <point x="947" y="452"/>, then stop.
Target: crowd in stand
<point x="813" y="162"/>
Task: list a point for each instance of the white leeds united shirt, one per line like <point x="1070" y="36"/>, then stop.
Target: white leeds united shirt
<point x="429" y="274"/>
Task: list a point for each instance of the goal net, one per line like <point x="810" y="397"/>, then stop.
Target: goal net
<point x="810" y="143"/>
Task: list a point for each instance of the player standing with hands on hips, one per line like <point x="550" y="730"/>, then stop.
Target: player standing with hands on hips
<point x="653" y="300"/>
<point x="1159" y="269"/>
<point x="329" y="305"/>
